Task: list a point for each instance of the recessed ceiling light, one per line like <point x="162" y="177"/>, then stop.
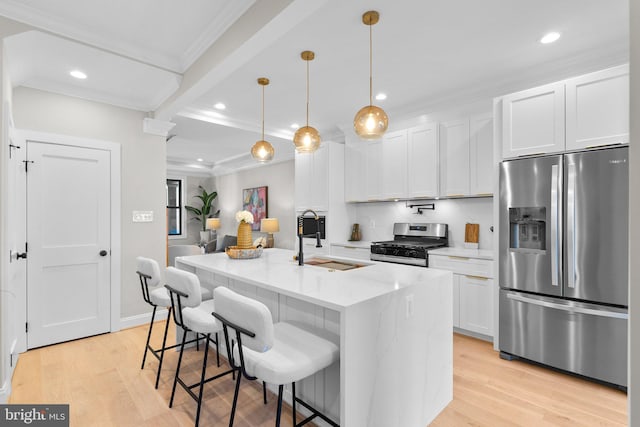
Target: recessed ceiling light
<point x="78" y="74"/>
<point x="294" y="126"/>
<point x="381" y="96"/>
<point x="200" y="160"/>
<point x="550" y="37"/>
<point x="220" y="106"/>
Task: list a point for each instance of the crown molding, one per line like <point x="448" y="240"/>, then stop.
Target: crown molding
<point x="231" y="11"/>
<point x="156" y="127"/>
<point x="219" y="24"/>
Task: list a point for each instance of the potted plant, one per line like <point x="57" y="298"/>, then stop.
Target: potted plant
<point x="204" y="211"/>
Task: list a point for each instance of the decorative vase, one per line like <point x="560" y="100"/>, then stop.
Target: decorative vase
<point x="205" y="236"/>
<point x="245" y="241"/>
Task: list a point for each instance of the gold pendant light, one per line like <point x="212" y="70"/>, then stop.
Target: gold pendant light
<point x="262" y="151"/>
<point x="370" y="122"/>
<point x="307" y="138"/>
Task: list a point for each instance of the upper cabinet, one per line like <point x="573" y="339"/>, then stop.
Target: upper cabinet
<point x="454" y="158"/>
<point x="533" y="121"/>
<point x="423" y="165"/>
<point x="451" y="159"/>
<point x="598" y="109"/>
<point x="583" y="112"/>
<point x="481" y="155"/>
<point x="312" y="179"/>
<point x="393" y="165"/>
<point x="466" y="157"/>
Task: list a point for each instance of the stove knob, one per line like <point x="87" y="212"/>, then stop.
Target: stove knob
<point x="396" y="251"/>
<point x="412" y="254"/>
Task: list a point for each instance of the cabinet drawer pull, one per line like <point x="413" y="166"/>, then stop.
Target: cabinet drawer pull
<point x="477" y="277"/>
<point x="484" y="194"/>
<point x="461" y="258"/>
<point x="455" y="195"/>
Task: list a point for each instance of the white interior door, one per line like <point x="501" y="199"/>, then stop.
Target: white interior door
<point x="68" y="235"/>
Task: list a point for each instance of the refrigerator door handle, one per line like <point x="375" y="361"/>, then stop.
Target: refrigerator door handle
<point x="569" y="308"/>
<point x="556" y="237"/>
<point x="571" y="226"/>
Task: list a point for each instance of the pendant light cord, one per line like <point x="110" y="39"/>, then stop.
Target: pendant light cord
<point x="370" y="64"/>
<point x="307" y="93"/>
<point x="263" y="112"/>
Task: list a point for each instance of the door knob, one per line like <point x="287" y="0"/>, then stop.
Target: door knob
<point x="21" y="255"/>
<point x="103" y="253"/>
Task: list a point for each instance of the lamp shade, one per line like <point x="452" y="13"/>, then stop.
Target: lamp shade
<point x="262" y="151"/>
<point x="371" y="122"/>
<point x="306" y="139"/>
<point x="269" y="225"/>
<point x="213" y="223"/>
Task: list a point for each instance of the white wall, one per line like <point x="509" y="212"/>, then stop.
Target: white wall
<point x="455" y="212"/>
<point x="190" y="189"/>
<point x="7" y="297"/>
<point x="143" y="171"/>
<point x="634" y="228"/>
<point x="279" y="177"/>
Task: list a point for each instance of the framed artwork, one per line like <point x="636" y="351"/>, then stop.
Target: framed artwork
<point x="254" y="200"/>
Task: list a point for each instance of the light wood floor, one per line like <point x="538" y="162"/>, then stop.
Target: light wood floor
<point x="101" y="379"/>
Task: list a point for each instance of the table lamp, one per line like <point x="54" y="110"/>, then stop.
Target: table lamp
<point x="213" y="224"/>
<point x="270" y="226"/>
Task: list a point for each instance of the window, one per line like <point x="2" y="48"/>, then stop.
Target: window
<point x="174" y="206"/>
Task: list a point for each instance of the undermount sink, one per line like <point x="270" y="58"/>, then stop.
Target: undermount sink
<point x="334" y="264"/>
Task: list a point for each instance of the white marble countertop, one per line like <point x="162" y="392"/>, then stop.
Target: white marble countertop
<point x="277" y="271"/>
<point x="355" y="244"/>
<point x="463" y="252"/>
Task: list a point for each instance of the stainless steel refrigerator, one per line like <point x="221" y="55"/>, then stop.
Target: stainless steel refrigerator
<point x="563" y="258"/>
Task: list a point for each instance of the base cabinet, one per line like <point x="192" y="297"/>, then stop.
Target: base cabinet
<point x="476" y="304"/>
<point x="473" y="307"/>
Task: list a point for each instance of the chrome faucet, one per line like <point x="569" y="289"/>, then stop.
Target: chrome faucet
<point x="301" y="235"/>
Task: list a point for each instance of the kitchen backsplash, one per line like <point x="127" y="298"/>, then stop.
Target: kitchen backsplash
<point x="376" y="219"/>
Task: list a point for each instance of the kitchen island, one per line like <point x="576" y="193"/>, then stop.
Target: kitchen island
<point x="392" y="322"/>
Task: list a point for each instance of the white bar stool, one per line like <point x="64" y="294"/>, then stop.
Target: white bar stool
<point x="278" y="354"/>
<point x="148" y="272"/>
<point x="192" y="315"/>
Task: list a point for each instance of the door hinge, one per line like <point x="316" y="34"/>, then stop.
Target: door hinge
<point x="26" y="327"/>
<point x="26" y="165"/>
<point x="26" y="247"/>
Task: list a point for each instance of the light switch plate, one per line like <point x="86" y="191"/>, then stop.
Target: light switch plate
<point x="142" y="216"/>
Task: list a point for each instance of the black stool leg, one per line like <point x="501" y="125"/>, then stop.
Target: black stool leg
<point x="235" y="398"/>
<point x="280" y="389"/>
<point x="164" y="343"/>
<point x="217" y="351"/>
<point x="146" y="347"/>
<point x="264" y="392"/>
<point x="202" y="377"/>
<point x="293" y="402"/>
<point x="175" y="379"/>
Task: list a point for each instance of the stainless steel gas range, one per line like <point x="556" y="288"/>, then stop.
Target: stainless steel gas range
<point x="411" y="243"/>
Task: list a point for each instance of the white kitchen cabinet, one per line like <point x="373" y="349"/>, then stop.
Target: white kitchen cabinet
<point x="481" y="168"/>
<point x="423" y="164"/>
<point x="582" y="112"/>
<point x="454" y="158"/>
<point x="312" y="179"/>
<point x="373" y="160"/>
<point x="473" y="293"/>
<point x="476" y="304"/>
<point x="597" y="109"/>
<point x="354" y="170"/>
<point x="393" y="165"/>
<point x="533" y="121"/>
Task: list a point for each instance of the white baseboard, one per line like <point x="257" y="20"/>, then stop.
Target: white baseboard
<point x="141" y="319"/>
